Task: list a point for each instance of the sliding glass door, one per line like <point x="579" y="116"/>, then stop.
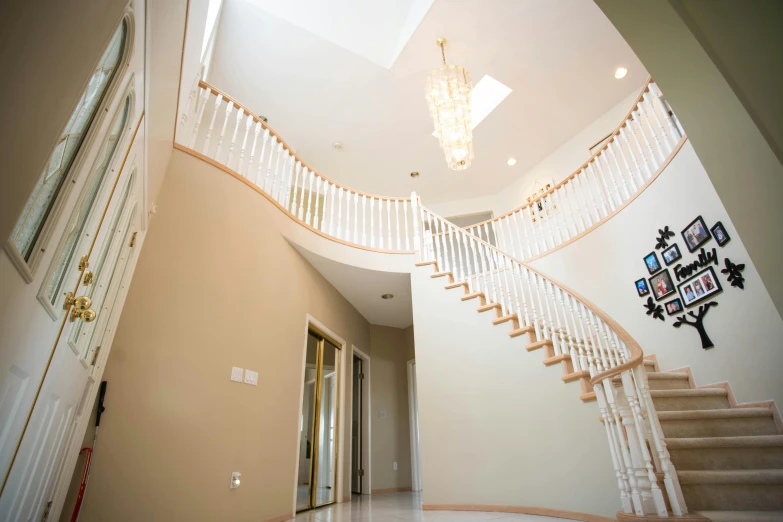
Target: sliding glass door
<point x="317" y="473"/>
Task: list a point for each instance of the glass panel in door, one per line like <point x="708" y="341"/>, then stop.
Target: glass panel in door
<point x="306" y="425"/>
<point x="326" y="484"/>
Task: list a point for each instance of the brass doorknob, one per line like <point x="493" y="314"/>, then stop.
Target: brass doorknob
<point x="80" y="307"/>
<point x="87" y="315"/>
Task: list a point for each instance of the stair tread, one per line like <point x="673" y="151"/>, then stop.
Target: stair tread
<point x="556" y="359"/>
<point x="472" y="296"/>
<point x="692" y="392"/>
<point x="576" y="375"/>
<point x="714" y="414"/>
<point x="667" y="375"/>
<point x="521" y="331"/>
<point x="728" y="477"/>
<point x="440" y="274"/>
<point x="505" y="318"/>
<point x="425" y="263"/>
<point x="488" y="307"/>
<point x="455" y="285"/>
<point x="742" y="516"/>
<point x="539" y="344"/>
<point x="740" y="441"/>
<point x="587" y="397"/>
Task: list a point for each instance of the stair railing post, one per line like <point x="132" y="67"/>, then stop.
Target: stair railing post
<point x="416" y="237"/>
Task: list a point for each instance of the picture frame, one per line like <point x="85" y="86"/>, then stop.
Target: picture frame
<point x="719" y="233"/>
<point x="641" y="287"/>
<point x="661" y="284"/>
<point x="695" y="234"/>
<point x="671" y="254"/>
<point x="674" y="306"/>
<point x="651" y="262"/>
<point x="699" y="287"/>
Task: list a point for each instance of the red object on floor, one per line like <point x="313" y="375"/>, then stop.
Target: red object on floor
<point x="83" y="485"/>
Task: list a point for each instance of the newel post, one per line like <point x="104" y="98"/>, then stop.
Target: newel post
<point x="416" y="236"/>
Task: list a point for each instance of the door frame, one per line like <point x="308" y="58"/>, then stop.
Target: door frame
<point x="413" y="422"/>
<point x="366" y="420"/>
<point x="311" y="323"/>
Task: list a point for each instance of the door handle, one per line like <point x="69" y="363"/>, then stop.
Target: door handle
<point x="80" y="307"/>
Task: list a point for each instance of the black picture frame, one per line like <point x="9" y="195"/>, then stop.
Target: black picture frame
<point x="666" y="279"/>
<point x="719" y="233"/>
<point x="647" y="262"/>
<point x="696" y="234"/>
<point x="677" y="254"/>
<point x="674" y="306"/>
<point x="696" y="288"/>
<point x="642" y="291"/>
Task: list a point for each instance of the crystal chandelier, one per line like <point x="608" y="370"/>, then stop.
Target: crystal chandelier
<point x="448" y="97"/>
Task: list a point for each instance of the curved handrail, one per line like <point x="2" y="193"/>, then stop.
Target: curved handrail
<point x="574" y="329"/>
<point x="615" y="174"/>
<point x="237" y="140"/>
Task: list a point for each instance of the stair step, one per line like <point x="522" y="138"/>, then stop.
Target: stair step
<point x="538" y="344"/>
<point x="743" y="516"/>
<point x="425" y="263"/>
<point x="573" y="376"/>
<point x="488" y="307"/>
<point x="505" y="318"/>
<point x="727" y="453"/>
<point x="473" y="296"/>
<point x="455" y="285"/>
<point x="717" y="423"/>
<point x="521" y="331"/>
<point x="549" y="361"/>
<point x="588" y="397"/>
<point x="441" y="274"/>
<point x="690" y="399"/>
<point x="668" y="381"/>
<point x="735" y="490"/>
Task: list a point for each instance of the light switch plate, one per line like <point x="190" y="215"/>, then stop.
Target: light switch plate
<point x="236" y="374"/>
<point x="251" y="377"/>
<point x="382" y="414"/>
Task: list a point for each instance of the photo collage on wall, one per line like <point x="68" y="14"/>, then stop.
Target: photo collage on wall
<point x="674" y="285"/>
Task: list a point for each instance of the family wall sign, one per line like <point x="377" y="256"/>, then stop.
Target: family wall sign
<point x="696" y="280"/>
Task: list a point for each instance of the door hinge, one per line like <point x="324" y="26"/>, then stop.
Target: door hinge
<point x="95" y="356"/>
<point x="84" y="262"/>
<point x="361" y="376"/>
<point x="360" y="472"/>
<point x="133" y="240"/>
<point x="46" y="511"/>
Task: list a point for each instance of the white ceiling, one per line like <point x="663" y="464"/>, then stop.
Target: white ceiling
<point x="363" y="289"/>
<point x="318" y="80"/>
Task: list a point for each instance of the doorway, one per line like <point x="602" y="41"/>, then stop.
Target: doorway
<point x="317" y="472"/>
<point x="413" y="408"/>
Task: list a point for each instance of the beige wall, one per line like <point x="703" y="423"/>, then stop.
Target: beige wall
<point x="744" y="327"/>
<point x="718" y="80"/>
<point x="216" y="286"/>
<point x="391" y="348"/>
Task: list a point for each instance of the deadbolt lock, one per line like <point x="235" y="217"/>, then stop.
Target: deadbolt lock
<point x="88" y="278"/>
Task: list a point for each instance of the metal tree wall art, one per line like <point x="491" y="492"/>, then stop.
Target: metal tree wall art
<point x="655" y="310"/>
<point x="735" y="275"/>
<point x="698" y="323"/>
<point x="663" y="239"/>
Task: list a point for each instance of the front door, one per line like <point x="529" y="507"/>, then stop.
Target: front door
<point x="48" y="343"/>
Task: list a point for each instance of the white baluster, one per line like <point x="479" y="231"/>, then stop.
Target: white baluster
<point x="364" y="219"/>
<point x="372" y="222"/>
<point x="674" y="133"/>
<point x="309" y="216"/>
<point x="229" y="109"/>
<point x="284" y="187"/>
<point x="240" y="114"/>
<point x="610" y="147"/>
<point x="610" y="195"/>
<point x="651" y="110"/>
<point x="340" y="191"/>
<point x="218" y="102"/>
<point x="632" y="124"/>
<point x="248" y="169"/>
<point x="186" y="113"/>
<point x="416" y="238"/>
<point x="356" y="217"/>
<point x="397" y="221"/>
<point x="331" y="213"/>
<point x="380" y="223"/>
<point x="388" y="224"/>
<point x="292" y="208"/>
<point x="203" y="98"/>
<point x="248" y="124"/>
<point x="260" y="165"/>
<point x="326" y="198"/>
<point x="407" y="232"/>
<point x="317" y="194"/>
<point x="300" y="210"/>
<point x="635" y="160"/>
<point x="435" y="243"/>
<point x="651" y="130"/>
<point x="622" y="195"/>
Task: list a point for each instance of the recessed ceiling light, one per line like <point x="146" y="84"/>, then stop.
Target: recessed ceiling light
<point x="414" y="174"/>
<point x="620" y="72"/>
<point x="511" y="162"/>
<point x="387" y="296"/>
<point x="338" y="145"/>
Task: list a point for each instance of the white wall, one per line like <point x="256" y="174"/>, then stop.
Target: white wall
<point x="497" y="426"/>
<point x="557" y="166"/>
<point x="745" y="328"/>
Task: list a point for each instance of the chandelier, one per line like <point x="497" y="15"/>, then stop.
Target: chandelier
<point x="448" y="97"/>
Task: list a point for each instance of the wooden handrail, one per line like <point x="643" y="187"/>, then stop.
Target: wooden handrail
<point x="215" y="91"/>
<point x="592" y="158"/>
<point x="636" y="352"/>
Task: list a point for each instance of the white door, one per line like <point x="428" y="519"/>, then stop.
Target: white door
<point x="46" y="355"/>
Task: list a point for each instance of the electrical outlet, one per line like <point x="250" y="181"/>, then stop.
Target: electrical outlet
<point x="395" y="466"/>
<point x="251" y="377"/>
<point x="236" y="374"/>
<point x="382" y="414"/>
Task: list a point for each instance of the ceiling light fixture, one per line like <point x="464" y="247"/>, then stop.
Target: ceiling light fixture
<point x="387" y="296"/>
<point x="511" y="162"/>
<point x="448" y="92"/>
<point x="620" y="73"/>
<point x="338" y="145"/>
<point x="414" y="174"/>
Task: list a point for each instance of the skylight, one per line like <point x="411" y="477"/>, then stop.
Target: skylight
<point x="486" y="96"/>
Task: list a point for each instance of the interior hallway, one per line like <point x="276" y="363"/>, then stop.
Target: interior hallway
<point x="392" y="507"/>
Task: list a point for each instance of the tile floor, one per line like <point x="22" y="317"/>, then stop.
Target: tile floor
<point x="394" y="507"/>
